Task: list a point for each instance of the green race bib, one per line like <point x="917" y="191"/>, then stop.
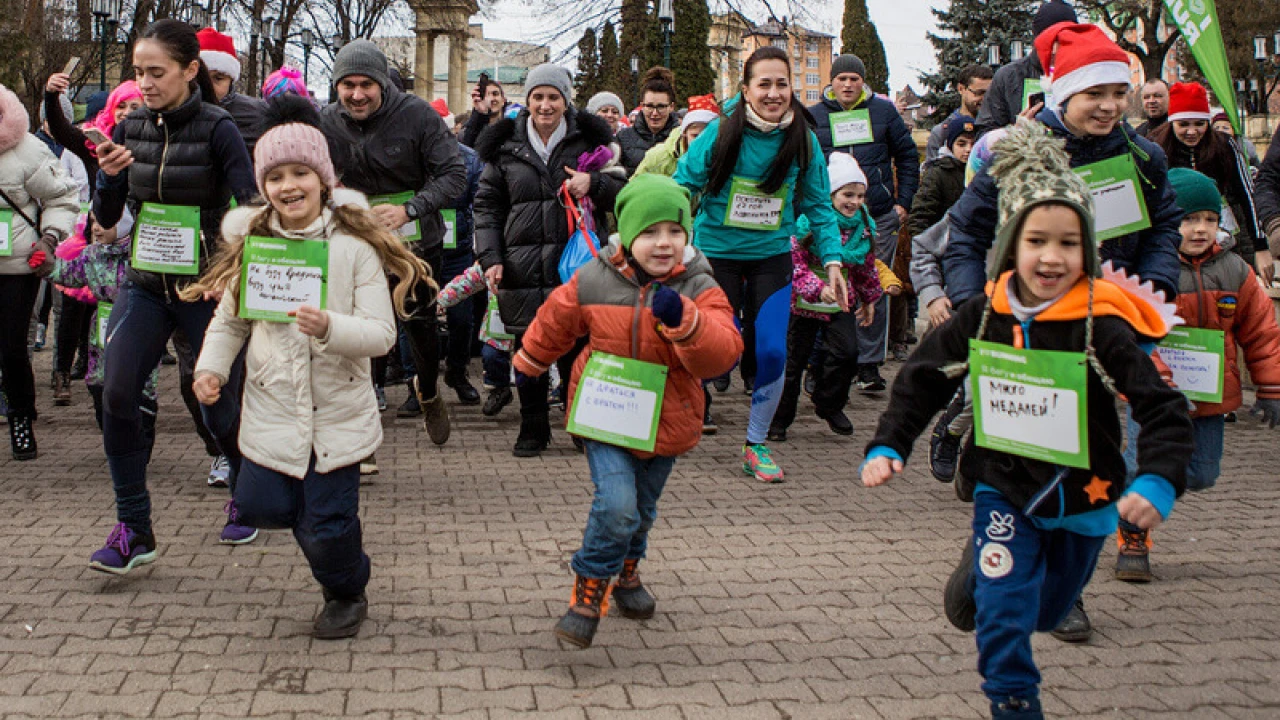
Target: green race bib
<point x="278" y="275"/>
<point x="818" y="307"/>
<point x="409" y="231"/>
<point x="753" y="210"/>
<point x="1030" y="403"/>
<point x="493" y="328"/>
<point x="1196" y="357"/>
<point x="851" y="127"/>
<point x="98" y="331"/>
<point x="166" y="239"/>
<point x="1030" y="86"/>
<point x="450" y="229"/>
<point x="619" y="401"/>
<point x="6" y="233"/>
<point x="1119" y="207"/>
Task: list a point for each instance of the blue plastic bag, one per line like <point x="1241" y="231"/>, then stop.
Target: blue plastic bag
<point x="583" y="244"/>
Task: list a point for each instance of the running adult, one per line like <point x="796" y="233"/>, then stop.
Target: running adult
<point x="851" y="118"/>
<point x="396" y="149"/>
<point x="489" y="105"/>
<point x="218" y="51"/>
<point x="39" y="203"/>
<point x="1015" y="88"/>
<point x="971" y="85"/>
<point x="176" y="165"/>
<point x="756" y="169"/>
<point x="1188" y="141"/>
<point x="521" y="228"/>
<point x="657" y="117"/>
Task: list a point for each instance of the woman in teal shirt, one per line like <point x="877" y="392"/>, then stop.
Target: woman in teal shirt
<point x="754" y="170"/>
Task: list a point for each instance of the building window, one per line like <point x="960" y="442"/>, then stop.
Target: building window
<point x="811" y="45"/>
<point x="811" y="79"/>
<point x="780" y="43"/>
<point x="811" y="63"/>
<point x="811" y="96"/>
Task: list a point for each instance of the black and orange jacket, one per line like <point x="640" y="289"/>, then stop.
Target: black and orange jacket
<point x="1120" y="323"/>
<point x="1219" y="291"/>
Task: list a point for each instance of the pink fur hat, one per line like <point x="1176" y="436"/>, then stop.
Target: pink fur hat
<point x="14" y="120"/>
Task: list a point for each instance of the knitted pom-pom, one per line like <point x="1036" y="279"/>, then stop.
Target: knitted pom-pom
<point x="289" y="108"/>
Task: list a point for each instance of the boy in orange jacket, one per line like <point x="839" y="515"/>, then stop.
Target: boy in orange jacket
<point x="1216" y="291"/>
<point x="658" y="324"/>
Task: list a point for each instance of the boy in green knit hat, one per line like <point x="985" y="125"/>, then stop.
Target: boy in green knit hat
<point x="657" y="325"/>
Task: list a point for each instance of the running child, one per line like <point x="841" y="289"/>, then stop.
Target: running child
<point x="309" y="412"/>
<point x="1039" y="525"/>
<point x="649" y="305"/>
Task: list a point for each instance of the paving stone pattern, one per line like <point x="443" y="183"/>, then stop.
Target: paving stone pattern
<point x="816" y="598"/>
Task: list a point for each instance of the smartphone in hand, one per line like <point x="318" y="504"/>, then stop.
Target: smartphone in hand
<point x="72" y="65"/>
<point x="98" y="137"/>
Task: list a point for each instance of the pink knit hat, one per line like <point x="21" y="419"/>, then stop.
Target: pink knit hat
<point x="293" y="143"/>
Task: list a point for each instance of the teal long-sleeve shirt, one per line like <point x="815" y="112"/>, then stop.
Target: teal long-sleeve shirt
<point x="808" y="194"/>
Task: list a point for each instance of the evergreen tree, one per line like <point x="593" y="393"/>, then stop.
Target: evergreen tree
<point x="638" y="29"/>
<point x="690" y="60"/>
<point x="588" y="81"/>
<point x="968" y="27"/>
<point x="611" y="64"/>
<point x="861" y="38"/>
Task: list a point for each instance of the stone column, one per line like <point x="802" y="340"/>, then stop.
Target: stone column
<point x="458" y="97"/>
<point x="424" y="61"/>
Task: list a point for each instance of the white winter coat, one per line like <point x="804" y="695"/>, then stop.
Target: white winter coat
<point x="34" y="179"/>
<point x="302" y="394"/>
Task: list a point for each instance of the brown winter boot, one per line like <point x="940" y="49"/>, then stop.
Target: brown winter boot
<point x="629" y="595"/>
<point x="61" y="389"/>
<point x="589" y="603"/>
<point x="1133" y="563"/>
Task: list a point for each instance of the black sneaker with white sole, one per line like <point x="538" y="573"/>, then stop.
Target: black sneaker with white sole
<point x="869" y="380"/>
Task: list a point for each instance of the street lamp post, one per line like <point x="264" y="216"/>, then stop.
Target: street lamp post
<point x="308" y="39"/>
<point x="667" y="19"/>
<point x="105" y="13"/>
<point x="635" y="80"/>
<point x="200" y="17"/>
<point x="993" y="55"/>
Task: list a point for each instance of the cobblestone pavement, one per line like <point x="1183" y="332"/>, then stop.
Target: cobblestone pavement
<point x="816" y="598"/>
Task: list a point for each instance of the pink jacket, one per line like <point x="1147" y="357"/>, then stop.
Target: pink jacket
<point x="864" y="281"/>
<point x="69" y="250"/>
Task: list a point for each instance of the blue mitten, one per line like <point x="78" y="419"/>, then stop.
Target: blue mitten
<point x="668" y="306"/>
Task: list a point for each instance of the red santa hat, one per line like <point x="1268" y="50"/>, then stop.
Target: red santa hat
<point x="218" y="52"/>
<point x="1076" y="57"/>
<point x="442" y="107"/>
<point x="1188" y="101"/>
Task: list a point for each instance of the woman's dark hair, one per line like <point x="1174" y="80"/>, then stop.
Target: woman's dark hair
<point x="180" y="42"/>
<point x="795" y="146"/>
<point x="1212" y="156"/>
<point x="659" y="80"/>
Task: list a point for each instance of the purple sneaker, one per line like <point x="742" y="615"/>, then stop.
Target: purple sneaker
<point x="233" y="533"/>
<point x="125" y="550"/>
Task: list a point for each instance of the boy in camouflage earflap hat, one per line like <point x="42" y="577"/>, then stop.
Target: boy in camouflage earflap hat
<point x="1038" y="526"/>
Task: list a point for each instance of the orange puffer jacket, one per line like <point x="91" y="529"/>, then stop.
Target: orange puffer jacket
<point x="606" y="302"/>
<point x="1219" y="291"/>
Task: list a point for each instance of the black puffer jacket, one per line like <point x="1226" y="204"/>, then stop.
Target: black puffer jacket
<point x="1268" y="189"/>
<point x="942" y="186"/>
<point x="248" y="113"/>
<point x="1003" y="101"/>
<point x="637" y="139"/>
<point x="192" y="155"/>
<point x="520" y="222"/>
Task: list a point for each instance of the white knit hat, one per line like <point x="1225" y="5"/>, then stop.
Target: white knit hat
<point x="697" y="116"/>
<point x="843" y="169"/>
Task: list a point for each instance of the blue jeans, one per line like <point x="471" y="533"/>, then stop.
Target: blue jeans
<point x="1206" y="461"/>
<point x="140" y="325"/>
<point x="323" y="511"/>
<point x="623" y="509"/>
<point x="1026" y="580"/>
<point x="497" y="366"/>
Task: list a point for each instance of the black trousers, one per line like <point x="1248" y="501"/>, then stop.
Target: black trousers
<point x="834" y="375"/>
<point x="17" y="300"/>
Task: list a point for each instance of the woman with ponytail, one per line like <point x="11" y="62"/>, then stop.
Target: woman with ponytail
<point x="757" y="168"/>
<point x="176" y="165"/>
<point x="309" y="415"/>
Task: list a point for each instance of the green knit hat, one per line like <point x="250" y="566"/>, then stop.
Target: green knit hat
<point x="649" y="199"/>
<point x="1196" y="191"/>
<point x="1031" y="168"/>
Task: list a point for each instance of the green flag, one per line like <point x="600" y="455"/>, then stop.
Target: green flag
<point x="1197" y="20"/>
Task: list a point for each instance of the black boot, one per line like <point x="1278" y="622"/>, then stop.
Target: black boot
<point x="341" y="617"/>
<point x="22" y="438"/>
<point x="498" y="399"/>
<point x="957" y="597"/>
<point x="457" y="379"/>
<point x="1075" y="627"/>
<point x="535" y="434"/>
<point x="629" y="595"/>
<point x="588" y="604"/>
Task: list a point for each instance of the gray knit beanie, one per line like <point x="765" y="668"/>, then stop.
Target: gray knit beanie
<point x="846" y="64"/>
<point x="68" y="112"/>
<point x="552" y="76"/>
<point x="605" y="99"/>
<point x="361" y="57"/>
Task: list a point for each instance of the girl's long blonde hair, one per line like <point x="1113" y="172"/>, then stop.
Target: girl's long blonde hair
<point x="406" y="269"/>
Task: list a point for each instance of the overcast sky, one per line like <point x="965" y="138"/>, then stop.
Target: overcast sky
<point x="902" y="25"/>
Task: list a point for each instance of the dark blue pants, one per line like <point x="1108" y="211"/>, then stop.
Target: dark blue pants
<point x="140" y="325"/>
<point x="1026" y="580"/>
<point x="323" y="511"/>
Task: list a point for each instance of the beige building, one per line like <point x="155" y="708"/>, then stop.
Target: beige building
<point x="508" y="61"/>
<point x="733" y="38"/>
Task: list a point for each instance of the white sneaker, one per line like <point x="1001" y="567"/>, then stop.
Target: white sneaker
<point x="219" y="472"/>
<point x="369" y="466"/>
